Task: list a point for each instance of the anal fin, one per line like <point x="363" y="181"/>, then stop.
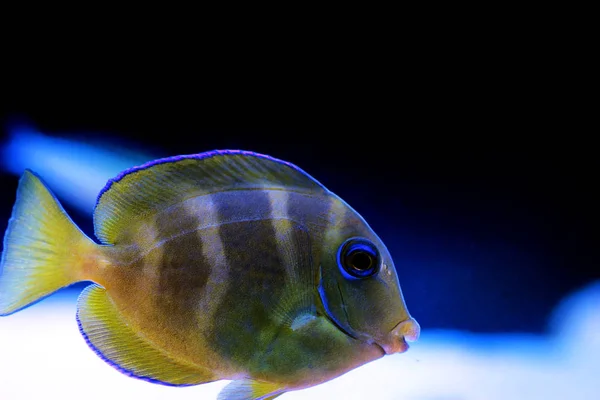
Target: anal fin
<point x="118" y="344"/>
<point x="247" y="389"/>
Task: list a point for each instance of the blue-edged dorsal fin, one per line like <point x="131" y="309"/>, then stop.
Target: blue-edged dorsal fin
<point x="119" y="345"/>
<point x="147" y="189"/>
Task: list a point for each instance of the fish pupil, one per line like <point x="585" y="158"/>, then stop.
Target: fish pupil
<point x="361" y="260"/>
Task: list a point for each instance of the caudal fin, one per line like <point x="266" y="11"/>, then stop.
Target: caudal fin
<point x="42" y="248"/>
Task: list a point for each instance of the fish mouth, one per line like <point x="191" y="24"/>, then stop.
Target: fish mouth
<point x="395" y="346"/>
<point x="380" y="348"/>
<point x="396" y="341"/>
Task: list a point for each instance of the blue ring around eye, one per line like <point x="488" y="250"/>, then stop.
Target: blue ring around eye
<point x="353" y="245"/>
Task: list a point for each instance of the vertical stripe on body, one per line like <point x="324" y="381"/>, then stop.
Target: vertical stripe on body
<point x="213" y="251"/>
<point x="151" y="235"/>
<point x="278" y="202"/>
<point x="297" y="306"/>
<point x="242" y="321"/>
<point x="336" y="217"/>
<point x="183" y="271"/>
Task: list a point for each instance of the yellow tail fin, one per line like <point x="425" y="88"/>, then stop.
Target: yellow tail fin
<point x="43" y="248"/>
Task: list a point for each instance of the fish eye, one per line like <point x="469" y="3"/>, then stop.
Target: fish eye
<point x="359" y="258"/>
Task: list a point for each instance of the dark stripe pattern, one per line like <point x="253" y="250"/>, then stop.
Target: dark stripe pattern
<point x="183" y="271"/>
<point x="243" y="319"/>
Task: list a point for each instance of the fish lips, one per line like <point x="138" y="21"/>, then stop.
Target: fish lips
<point x="396" y="341"/>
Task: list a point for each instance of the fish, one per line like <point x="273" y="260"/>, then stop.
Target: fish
<point x="223" y="265"/>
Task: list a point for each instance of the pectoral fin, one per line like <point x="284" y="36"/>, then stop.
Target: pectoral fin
<point x="247" y="389"/>
<point x="117" y="343"/>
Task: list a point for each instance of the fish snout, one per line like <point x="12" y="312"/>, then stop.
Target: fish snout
<point x="407" y="330"/>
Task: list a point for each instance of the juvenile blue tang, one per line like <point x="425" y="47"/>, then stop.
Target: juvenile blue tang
<point x="221" y="265"/>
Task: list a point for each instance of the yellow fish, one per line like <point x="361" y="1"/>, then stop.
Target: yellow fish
<point x="221" y="265"/>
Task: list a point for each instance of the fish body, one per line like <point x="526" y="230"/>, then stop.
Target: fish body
<point x="223" y="265"/>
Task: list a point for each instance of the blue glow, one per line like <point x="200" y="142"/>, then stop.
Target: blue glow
<point x="75" y="171"/>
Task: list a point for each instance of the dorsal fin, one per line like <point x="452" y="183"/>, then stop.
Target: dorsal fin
<point x="149" y="188"/>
